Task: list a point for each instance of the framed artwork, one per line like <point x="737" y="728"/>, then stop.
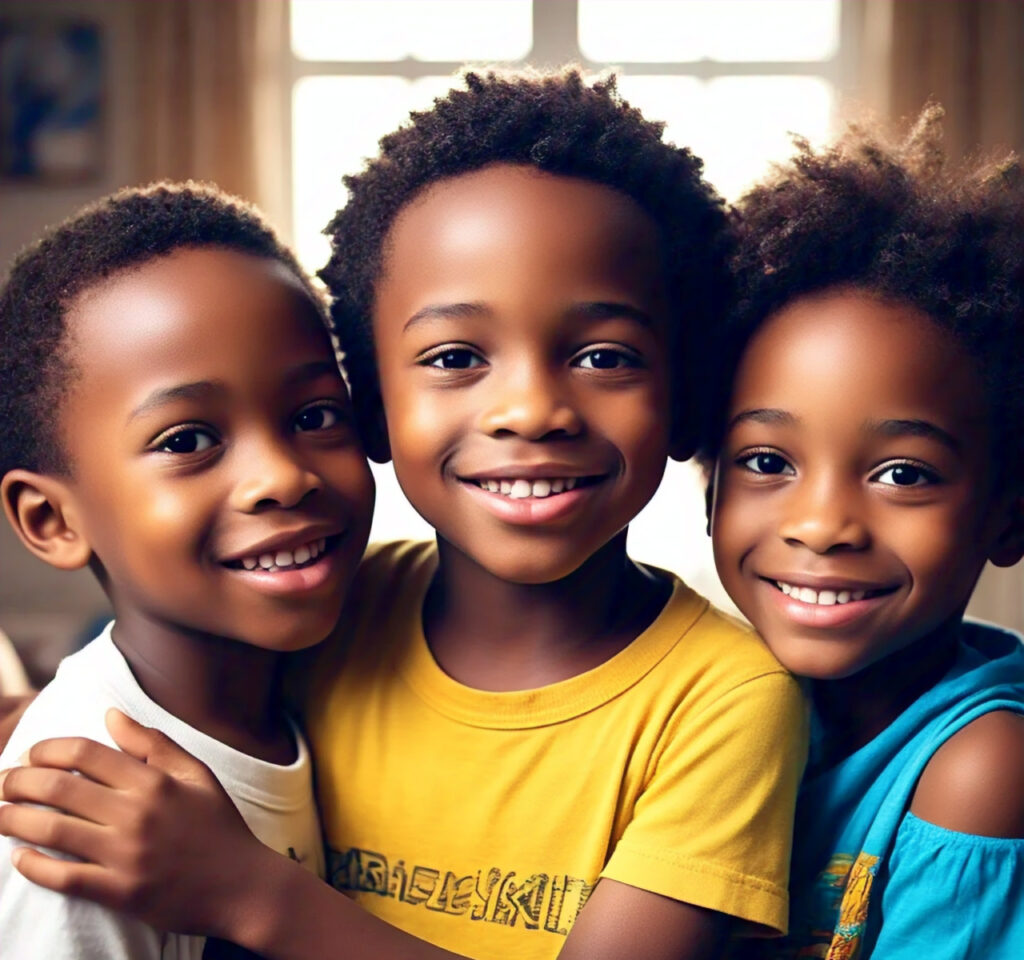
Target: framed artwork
<point x="51" y="100"/>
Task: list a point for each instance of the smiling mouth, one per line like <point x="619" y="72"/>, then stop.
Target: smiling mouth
<point x="827" y="597"/>
<point x="277" y="560"/>
<point x="520" y="488"/>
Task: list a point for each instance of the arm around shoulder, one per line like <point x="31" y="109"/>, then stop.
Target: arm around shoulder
<point x="975" y="782"/>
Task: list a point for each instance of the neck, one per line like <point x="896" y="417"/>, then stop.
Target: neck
<point x="493" y="634"/>
<point x="855" y="709"/>
<point x="227" y="689"/>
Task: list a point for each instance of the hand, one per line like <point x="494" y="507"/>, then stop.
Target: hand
<point x="159" y="837"/>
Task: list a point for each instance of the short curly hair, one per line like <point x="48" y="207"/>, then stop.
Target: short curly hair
<point x="123" y="230"/>
<point x="897" y="221"/>
<point x="558" y="123"/>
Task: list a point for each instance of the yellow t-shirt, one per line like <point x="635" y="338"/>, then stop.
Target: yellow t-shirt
<point x="481" y="821"/>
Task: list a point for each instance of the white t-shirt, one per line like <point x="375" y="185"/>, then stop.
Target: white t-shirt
<point x="275" y="801"/>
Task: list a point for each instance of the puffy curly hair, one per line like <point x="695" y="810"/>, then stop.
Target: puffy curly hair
<point x="897" y="221"/>
<point x="123" y="230"/>
<point x="560" y="124"/>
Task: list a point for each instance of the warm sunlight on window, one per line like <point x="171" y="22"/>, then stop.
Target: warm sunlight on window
<point x="673" y="31"/>
<point x="438" y="30"/>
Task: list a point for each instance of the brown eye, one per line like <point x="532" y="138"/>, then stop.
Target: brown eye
<point x="767" y="463"/>
<point x="190" y="440"/>
<point x="321" y="417"/>
<point x="605" y="359"/>
<point x="906" y="475"/>
<point x="455" y="360"/>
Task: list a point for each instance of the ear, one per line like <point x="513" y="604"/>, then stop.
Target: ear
<point x="42" y="511"/>
<point x="1009" y="544"/>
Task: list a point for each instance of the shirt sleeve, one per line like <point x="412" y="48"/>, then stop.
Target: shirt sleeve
<point x="951" y="895"/>
<point x="714" y="825"/>
<point x="35" y="922"/>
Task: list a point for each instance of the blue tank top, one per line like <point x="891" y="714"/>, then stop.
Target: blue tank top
<point x="869" y="879"/>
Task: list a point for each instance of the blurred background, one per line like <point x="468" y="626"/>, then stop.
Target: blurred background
<point x="276" y="99"/>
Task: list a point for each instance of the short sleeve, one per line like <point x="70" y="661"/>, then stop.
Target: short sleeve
<point x="713" y="826"/>
<point x="950" y="895"/>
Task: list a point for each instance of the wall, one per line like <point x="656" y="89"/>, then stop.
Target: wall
<point x="41" y="609"/>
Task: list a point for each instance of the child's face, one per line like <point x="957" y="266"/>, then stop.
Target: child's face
<point x="214" y="468"/>
<point x="855" y="504"/>
<point x="521" y="331"/>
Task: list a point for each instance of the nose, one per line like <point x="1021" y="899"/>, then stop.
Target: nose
<point x="272" y="474"/>
<point x="530" y="403"/>
<point x="825" y="517"/>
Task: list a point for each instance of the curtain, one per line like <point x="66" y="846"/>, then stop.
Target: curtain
<point x="209" y="86"/>
<point x="966" y="54"/>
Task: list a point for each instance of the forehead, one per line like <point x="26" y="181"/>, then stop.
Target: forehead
<point x="514" y="221"/>
<point x="845" y="356"/>
<point x="196" y="314"/>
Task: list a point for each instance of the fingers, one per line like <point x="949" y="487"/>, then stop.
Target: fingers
<point x="63" y="876"/>
<point x="97" y="761"/>
<point x="48" y="828"/>
<point x="64" y="791"/>
<point x="154" y="748"/>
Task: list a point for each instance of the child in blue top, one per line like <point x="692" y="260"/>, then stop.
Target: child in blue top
<point x="869" y="463"/>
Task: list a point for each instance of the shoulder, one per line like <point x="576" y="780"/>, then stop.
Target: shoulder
<point x="975" y="781"/>
<point x="394" y="561"/>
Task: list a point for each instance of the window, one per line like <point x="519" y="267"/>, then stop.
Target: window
<point x="730" y="78"/>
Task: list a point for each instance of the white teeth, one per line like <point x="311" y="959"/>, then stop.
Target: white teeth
<point x="520" y="490"/>
<point x="824" y="598"/>
<point x="283" y="559"/>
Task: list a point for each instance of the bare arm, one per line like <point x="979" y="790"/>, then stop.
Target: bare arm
<point x="167" y="817"/>
<point x="975" y="782"/>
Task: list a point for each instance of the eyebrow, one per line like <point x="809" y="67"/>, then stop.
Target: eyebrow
<point x="312" y="371"/>
<point x="197" y="390"/>
<point x="446" y="311"/>
<point x="205" y="389"/>
<point x="592" y="311"/>
<point x="767" y="415"/>
<point x="914" y="428"/>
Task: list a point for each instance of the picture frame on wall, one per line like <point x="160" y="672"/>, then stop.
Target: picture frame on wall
<point x="51" y="100"/>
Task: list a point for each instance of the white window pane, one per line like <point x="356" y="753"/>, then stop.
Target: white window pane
<point x="440" y="30"/>
<point x="668" y="31"/>
<point x="336" y="123"/>
<point x="737" y="125"/>
<point x="671" y="533"/>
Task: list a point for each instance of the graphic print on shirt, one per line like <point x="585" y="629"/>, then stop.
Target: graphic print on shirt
<point x="833" y="925"/>
<point x="541" y="902"/>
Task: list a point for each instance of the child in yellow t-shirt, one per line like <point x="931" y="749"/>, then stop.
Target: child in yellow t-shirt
<point x="527" y="744"/>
